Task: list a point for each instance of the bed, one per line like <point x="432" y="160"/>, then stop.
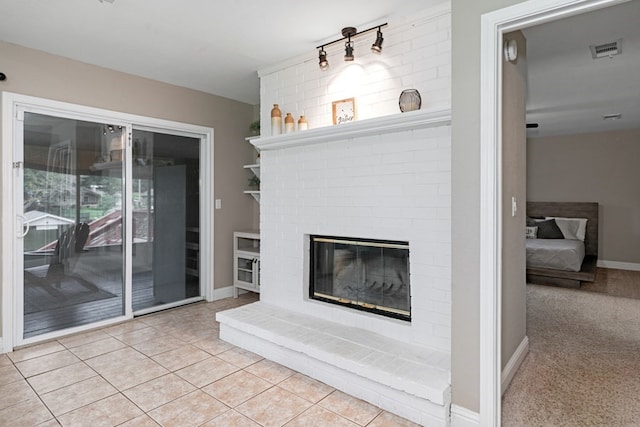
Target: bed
<point x="563" y="262"/>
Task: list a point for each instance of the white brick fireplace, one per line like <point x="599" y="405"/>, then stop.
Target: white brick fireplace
<point x="385" y="177"/>
<point x="391" y="186"/>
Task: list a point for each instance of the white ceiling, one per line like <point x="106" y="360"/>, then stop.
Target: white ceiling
<point x="217" y="47"/>
<point x="568" y="91"/>
<point x="211" y="46"/>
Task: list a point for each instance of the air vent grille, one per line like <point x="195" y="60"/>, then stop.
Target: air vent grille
<point x="606" y="50"/>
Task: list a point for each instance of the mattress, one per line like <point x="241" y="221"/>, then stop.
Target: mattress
<point x="556" y="254"/>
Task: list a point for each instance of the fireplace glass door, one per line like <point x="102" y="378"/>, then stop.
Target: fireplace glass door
<point x="364" y="274"/>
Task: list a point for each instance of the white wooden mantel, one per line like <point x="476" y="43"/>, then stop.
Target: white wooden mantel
<point x="376" y="126"/>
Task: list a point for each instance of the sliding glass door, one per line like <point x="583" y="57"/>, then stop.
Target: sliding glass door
<point x="72" y="214"/>
<point x="109" y="222"/>
<point x="166" y="219"/>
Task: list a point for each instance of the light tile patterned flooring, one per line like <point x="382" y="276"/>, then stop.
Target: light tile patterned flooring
<point x="168" y="369"/>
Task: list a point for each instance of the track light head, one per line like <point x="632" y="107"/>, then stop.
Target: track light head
<point x="322" y="59"/>
<point x="376" y="47"/>
<point x="348" y="32"/>
<point x="348" y="51"/>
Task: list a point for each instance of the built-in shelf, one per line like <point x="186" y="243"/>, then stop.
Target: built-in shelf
<point x="246" y="261"/>
<point x="255" y="168"/>
<point x="254" y="193"/>
<point x="375" y="126"/>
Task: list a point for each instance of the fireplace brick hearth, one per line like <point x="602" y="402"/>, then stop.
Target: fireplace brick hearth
<point x="390" y="186"/>
<point x="402" y="378"/>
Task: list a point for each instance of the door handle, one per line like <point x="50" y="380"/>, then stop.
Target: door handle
<point x="23" y="220"/>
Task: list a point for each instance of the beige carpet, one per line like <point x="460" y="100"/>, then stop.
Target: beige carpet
<point x="618" y="283"/>
<point x="583" y="368"/>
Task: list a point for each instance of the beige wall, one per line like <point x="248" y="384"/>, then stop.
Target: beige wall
<point x="465" y="356"/>
<point x="599" y="167"/>
<point x="36" y="73"/>
<point x="514" y="163"/>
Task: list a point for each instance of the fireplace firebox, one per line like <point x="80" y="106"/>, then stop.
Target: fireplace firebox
<point x="365" y="274"/>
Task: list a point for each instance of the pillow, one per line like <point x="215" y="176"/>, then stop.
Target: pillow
<point x="572" y="228"/>
<point x="531" y="232"/>
<point x="548" y="229"/>
<point x="531" y="222"/>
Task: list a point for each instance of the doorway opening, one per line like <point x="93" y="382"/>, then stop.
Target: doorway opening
<point x="493" y="26"/>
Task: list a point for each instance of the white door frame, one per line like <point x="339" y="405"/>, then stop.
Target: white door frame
<point x="493" y="26"/>
<point x="11" y="102"/>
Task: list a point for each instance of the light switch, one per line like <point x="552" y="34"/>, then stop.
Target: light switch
<point x="514" y="206"/>
<point x="218" y="203"/>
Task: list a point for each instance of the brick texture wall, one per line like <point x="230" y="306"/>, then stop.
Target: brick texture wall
<point x="416" y="55"/>
<point x="394" y="186"/>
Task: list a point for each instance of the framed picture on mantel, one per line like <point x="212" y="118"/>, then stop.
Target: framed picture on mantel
<point x="344" y="111"/>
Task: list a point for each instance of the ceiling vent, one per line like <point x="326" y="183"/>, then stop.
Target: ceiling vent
<point x="606" y="50"/>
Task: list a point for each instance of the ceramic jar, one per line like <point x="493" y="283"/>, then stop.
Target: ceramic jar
<point x="302" y="123"/>
<point x="276" y="120"/>
<point x="289" y="124"/>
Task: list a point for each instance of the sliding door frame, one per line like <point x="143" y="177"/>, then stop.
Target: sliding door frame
<point x="12" y="104"/>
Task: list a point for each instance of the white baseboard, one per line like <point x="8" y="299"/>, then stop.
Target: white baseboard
<point x="463" y="417"/>
<point x="514" y="363"/>
<point x="632" y="266"/>
<point x="222" y="293"/>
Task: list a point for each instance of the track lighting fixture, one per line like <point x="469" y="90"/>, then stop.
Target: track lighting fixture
<point x="376" y="47"/>
<point x="348" y="33"/>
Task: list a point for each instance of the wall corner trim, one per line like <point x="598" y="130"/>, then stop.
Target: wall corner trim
<point x="463" y="417"/>
<point x="222" y="293"/>
<point x="514" y="363"/>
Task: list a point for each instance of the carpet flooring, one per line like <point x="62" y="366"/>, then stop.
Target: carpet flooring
<point x="583" y="366"/>
<point x="614" y="282"/>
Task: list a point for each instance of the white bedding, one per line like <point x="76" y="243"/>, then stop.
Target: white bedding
<point x="557" y="254"/>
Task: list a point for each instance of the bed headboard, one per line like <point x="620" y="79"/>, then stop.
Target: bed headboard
<point x="571" y="210"/>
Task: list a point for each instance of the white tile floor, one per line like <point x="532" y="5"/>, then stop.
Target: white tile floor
<point x="168" y="369"/>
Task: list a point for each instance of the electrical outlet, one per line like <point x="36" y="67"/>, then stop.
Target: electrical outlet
<point x="218" y="203"/>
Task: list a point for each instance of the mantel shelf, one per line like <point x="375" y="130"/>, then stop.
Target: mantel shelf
<point x="376" y="126"/>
